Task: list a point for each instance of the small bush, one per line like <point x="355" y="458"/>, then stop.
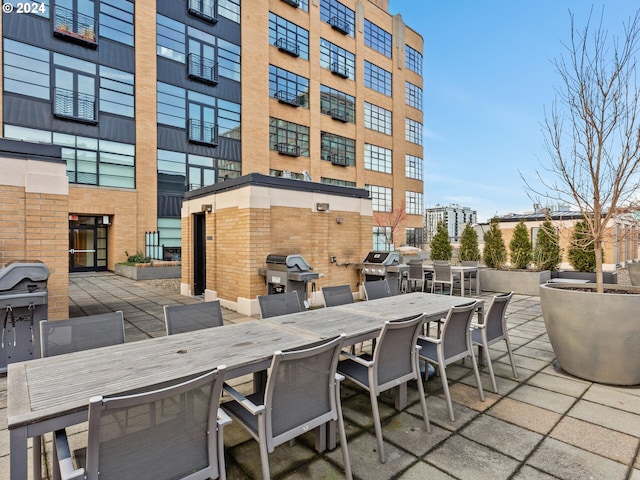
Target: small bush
<point x="495" y="251"/>
<point x="546" y="255"/>
<point x="582" y="255"/>
<point x="469" y="250"/>
<point x="520" y="247"/>
<point x="440" y="245"/>
<point x="139" y="257"/>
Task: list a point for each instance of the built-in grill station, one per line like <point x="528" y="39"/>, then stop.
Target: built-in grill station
<point x="287" y="273"/>
<point x="383" y="265"/>
<point x="23" y="303"/>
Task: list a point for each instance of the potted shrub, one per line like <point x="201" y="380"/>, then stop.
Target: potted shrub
<point x="469" y="250"/>
<point x="521" y="250"/>
<point x="592" y="135"/>
<point x="546" y="254"/>
<point x="440" y="245"/>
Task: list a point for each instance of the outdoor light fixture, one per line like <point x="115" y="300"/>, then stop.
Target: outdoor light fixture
<point x="322" y="207"/>
<point x="207" y="207"/>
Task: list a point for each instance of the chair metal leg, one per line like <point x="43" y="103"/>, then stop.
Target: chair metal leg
<point x="476" y="372"/>
<point x="264" y="454"/>
<point x="513" y="363"/>
<point x="423" y="401"/>
<point x="487" y="358"/>
<point x="377" y="425"/>
<point x="343" y="438"/>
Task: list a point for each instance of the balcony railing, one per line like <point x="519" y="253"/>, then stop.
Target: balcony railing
<point x="289" y="149"/>
<point x="204" y="9"/>
<point x="202" y="69"/>
<point x="340" y="69"/>
<point x="74" y="106"/>
<point x="203" y="133"/>
<point x="293" y="3"/>
<point x="340" y="24"/>
<point x="288" y="47"/>
<point x="287" y="98"/>
<point x="339" y="159"/>
<point x="74" y="27"/>
<point x="340" y="114"/>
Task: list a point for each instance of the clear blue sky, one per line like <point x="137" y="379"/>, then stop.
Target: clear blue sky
<point x="487" y="79"/>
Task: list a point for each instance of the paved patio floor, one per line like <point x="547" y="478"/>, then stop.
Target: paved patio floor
<point x="544" y="424"/>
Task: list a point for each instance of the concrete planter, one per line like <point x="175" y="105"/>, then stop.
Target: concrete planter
<point x="634" y="273"/>
<point x="595" y="336"/>
<point x="148" y="272"/>
<point x="523" y="282"/>
<point x="607" y="277"/>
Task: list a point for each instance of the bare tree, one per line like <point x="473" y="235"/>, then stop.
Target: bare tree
<point x="592" y="133"/>
<point x="390" y="221"/>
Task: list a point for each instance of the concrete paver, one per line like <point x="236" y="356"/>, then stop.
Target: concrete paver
<point x="543" y="425"/>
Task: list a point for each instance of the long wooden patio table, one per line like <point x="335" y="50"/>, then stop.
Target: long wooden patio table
<point x="52" y="393"/>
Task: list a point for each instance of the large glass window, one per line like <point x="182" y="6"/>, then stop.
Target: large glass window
<point x="338" y="16"/>
<point x="171" y="105"/>
<point x="288" y="138"/>
<point x="414" y="203"/>
<point x="381" y="198"/>
<point x="413" y="167"/>
<point x="377" y="158"/>
<point x="116" y="91"/>
<point x="413" y="60"/>
<point x="26" y="69"/>
<point x="288" y="87"/>
<point x="288" y="36"/>
<point x="202" y="56"/>
<point x="413" y="95"/>
<point x="414" y="237"/>
<point x="229" y="9"/>
<point x="228" y="60"/>
<point x="336" y="181"/>
<point x="75" y="20"/>
<point x="170" y="38"/>
<point x="228" y="119"/>
<point x="338" y="150"/>
<point x="337" y="104"/>
<point x="337" y="60"/>
<point x="413" y="131"/>
<point x="377" y="78"/>
<point x="116" y="20"/>
<point x="75" y="88"/>
<point x="377" y="118"/>
<point x="380" y="238"/>
<point x="377" y="38"/>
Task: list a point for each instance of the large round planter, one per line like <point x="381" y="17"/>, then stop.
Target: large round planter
<point x="634" y="273"/>
<point x="595" y="336"/>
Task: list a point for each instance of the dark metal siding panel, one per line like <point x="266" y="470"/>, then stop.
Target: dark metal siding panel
<point x="172" y="139"/>
<point x="175" y="139"/>
<point x="117" y="129"/>
<point x="117" y="55"/>
<point x="27" y="112"/>
<point x="30" y="29"/>
<point x="229" y="149"/>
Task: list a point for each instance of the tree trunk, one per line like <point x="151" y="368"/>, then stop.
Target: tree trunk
<point x="599" y="275"/>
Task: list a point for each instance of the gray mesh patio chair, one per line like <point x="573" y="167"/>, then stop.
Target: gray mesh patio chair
<point x="376" y="289"/>
<point x="81" y="333"/>
<point x="186" y="318"/>
<point x="454" y="344"/>
<point x="279" y="304"/>
<point x="302" y="392"/>
<point x="394" y="361"/>
<point x="471" y="276"/>
<point x="442" y="276"/>
<point x="416" y="275"/>
<point x="132" y="437"/>
<point x="338" y="295"/>
<point x="493" y="330"/>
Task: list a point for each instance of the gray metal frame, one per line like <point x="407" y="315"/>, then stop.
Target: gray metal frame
<point x="186" y="318"/>
<point x="279" y="304"/>
<point x="337" y="295"/>
<point x="376" y="289"/>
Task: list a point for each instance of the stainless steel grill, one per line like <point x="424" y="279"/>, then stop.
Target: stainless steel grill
<point x="23" y="303"/>
<point x="382" y="265"/>
<point x="286" y="273"/>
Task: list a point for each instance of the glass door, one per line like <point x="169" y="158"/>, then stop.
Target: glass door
<point x="87" y="245"/>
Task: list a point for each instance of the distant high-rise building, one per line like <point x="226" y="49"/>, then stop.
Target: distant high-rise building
<point x="150" y="99"/>
<point x="454" y="217"/>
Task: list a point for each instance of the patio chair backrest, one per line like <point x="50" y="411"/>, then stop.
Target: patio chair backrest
<point x="416" y="270"/>
<point x="496" y="316"/>
<point x="455" y="331"/>
<point x="279" y="304"/>
<point x="163" y="434"/>
<point x="338" y="295"/>
<point x="395" y="355"/>
<point x="376" y="289"/>
<point x="301" y="390"/>
<point x="81" y="333"/>
<point x="442" y="271"/>
<point x="186" y="318"/>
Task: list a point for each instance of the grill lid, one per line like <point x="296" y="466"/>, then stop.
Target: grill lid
<point x="296" y="262"/>
<point x="382" y="258"/>
<point x="25" y="277"/>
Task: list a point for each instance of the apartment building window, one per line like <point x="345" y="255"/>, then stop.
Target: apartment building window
<point x="413" y="131"/>
<point x="381" y="198"/>
<point x="414" y="203"/>
<point x="413" y="60"/>
<point x="75" y="21"/>
<point x="413" y="95"/>
<point x="201" y="63"/>
<point x="170" y="37"/>
<point x="228" y="119"/>
<point x="288" y="37"/>
<point x="377" y="118"/>
<point x="377" y="38"/>
<point x="337" y="181"/>
<point x="75" y="89"/>
<point x="288" y="138"/>
<point x="205" y="9"/>
<point x="116" y="91"/>
<point x="339" y="105"/>
<point x="378" y="159"/>
<point x="202" y="126"/>
<point x="116" y="20"/>
<point x="171" y="105"/>
<point x="413" y="167"/>
<point x="301" y="4"/>
<point x="338" y="150"/>
<point x="337" y="60"/>
<point x="340" y="18"/>
<point x="381" y="236"/>
<point x="287" y="87"/>
<point x="26" y="70"/>
<point x="228" y="59"/>
<point x="414" y="237"/>
<point x="229" y="9"/>
<point x="377" y="78"/>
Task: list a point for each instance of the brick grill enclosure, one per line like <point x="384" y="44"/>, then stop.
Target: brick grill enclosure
<point x="256" y="215"/>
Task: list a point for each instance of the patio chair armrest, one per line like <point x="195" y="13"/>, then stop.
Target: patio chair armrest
<point x="339" y="377"/>
<point x="223" y="418"/>
<point x="67" y="470"/>
<point x="242" y="400"/>
<point x="430" y="339"/>
<point x="357" y="359"/>
<point x="478" y="325"/>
